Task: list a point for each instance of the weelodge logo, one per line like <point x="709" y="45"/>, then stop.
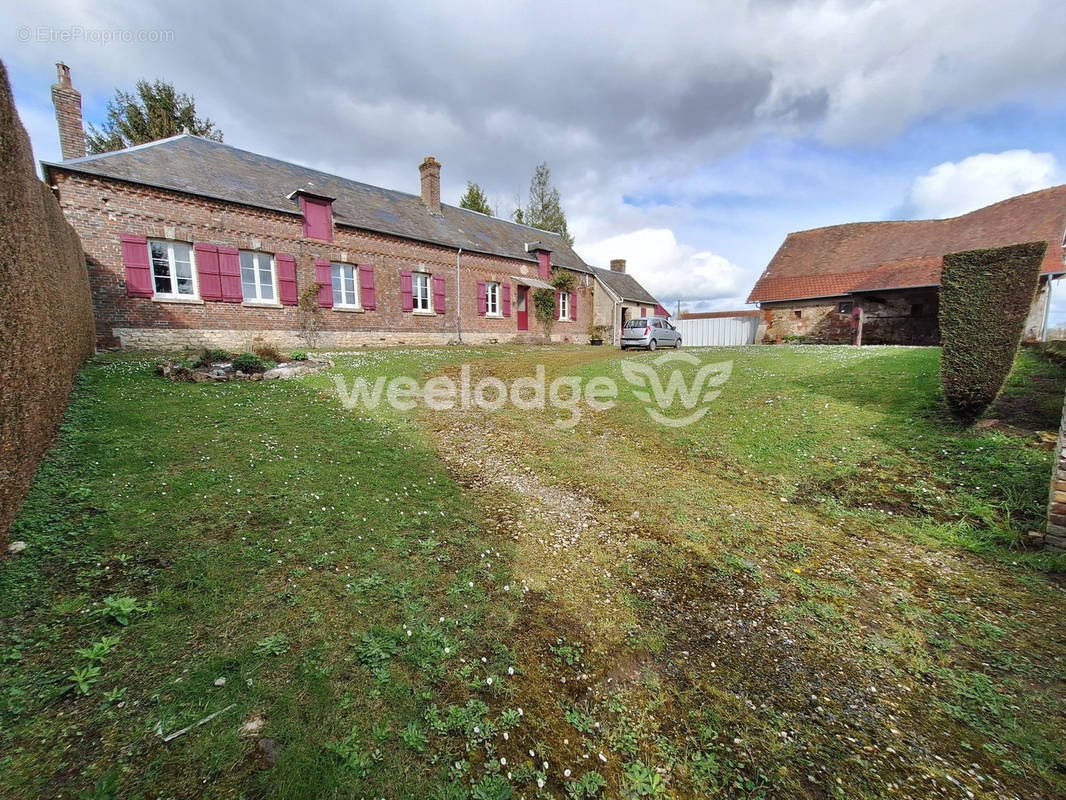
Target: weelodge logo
<point x="676" y="392"/>
<point x="676" y="403"/>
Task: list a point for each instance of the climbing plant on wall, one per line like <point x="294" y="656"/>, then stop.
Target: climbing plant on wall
<point x="544" y="302"/>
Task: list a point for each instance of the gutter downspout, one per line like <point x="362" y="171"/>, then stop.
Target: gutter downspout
<point x="458" y="301"/>
<point x="1047" y="309"/>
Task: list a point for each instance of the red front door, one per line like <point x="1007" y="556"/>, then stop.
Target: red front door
<point x="521" y="309"/>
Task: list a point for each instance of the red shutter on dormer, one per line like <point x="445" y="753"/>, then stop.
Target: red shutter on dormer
<point x="544" y="265"/>
<point x="138" y="267"/>
<point x="438" y="293"/>
<point x="505" y="289"/>
<point x="207" y="271"/>
<point x="229" y="270"/>
<point x="573" y="306"/>
<point x="482" y="299"/>
<point x="367" y="296"/>
<point x="286" y="265"/>
<point x="558" y="305"/>
<point x="318" y="218"/>
<point x="407" y="301"/>
<point x="324" y="278"/>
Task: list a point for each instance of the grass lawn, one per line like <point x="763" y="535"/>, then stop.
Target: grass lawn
<point x="818" y="590"/>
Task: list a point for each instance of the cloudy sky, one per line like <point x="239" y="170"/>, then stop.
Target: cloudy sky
<point x="685" y="137"/>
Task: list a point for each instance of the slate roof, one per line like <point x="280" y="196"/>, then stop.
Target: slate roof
<point x="870" y="256"/>
<point x="624" y="286"/>
<point x="202" y="167"/>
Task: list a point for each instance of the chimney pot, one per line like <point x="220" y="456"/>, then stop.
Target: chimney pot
<point x="67" y="101"/>
<point x="618" y="265"/>
<point x="430" y="172"/>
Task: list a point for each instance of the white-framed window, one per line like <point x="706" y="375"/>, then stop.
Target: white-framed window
<point x="173" y="275"/>
<point x="492" y="298"/>
<point x="420" y="291"/>
<point x="257" y="277"/>
<point x="345" y="284"/>
<point x="564" y="305"/>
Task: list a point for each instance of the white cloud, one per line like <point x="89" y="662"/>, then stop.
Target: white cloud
<point x="670" y="270"/>
<point x="954" y="188"/>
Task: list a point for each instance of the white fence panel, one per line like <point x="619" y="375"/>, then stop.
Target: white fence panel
<point x="717" y="331"/>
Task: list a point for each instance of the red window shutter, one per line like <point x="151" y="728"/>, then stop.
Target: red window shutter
<point x="505" y="290"/>
<point x="407" y="301"/>
<point x="229" y="270"/>
<point x="482" y="299"/>
<point x="643" y="311"/>
<point x="544" y="265"/>
<point x="324" y="278"/>
<point x="367" y="297"/>
<point x="207" y="270"/>
<point x="318" y="218"/>
<point x="573" y="306"/>
<point x="286" y="265"/>
<point x="138" y="267"/>
<point x="558" y="304"/>
<point x="438" y="293"/>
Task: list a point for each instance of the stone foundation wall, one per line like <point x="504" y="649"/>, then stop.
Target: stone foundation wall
<point x="239" y="341"/>
<point x="1055" y="538"/>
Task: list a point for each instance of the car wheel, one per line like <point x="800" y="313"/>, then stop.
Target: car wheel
<point x="652" y="345"/>
<point x="624" y="349"/>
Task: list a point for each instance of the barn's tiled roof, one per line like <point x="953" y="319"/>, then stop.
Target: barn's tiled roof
<point x="212" y="169"/>
<point x="624" y="286"/>
<point x="832" y="261"/>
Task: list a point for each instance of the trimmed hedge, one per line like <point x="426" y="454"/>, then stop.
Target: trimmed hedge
<point x="985" y="296"/>
<point x="46" y="326"/>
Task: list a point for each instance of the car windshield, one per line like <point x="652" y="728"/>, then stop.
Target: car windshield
<point x="637" y="323"/>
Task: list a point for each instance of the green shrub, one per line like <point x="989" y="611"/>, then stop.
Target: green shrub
<point x="209" y="357"/>
<point x="248" y="363"/>
<point x="298" y="355"/>
<point x="985" y="297"/>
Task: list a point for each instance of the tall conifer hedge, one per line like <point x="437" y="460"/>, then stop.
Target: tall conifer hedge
<point x="985" y="297"/>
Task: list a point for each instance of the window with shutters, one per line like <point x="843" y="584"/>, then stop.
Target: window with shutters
<point x="564" y="305"/>
<point x="492" y="299"/>
<point x="345" y="285"/>
<point x="173" y="276"/>
<point x="257" y="277"/>
<point x="420" y="291"/>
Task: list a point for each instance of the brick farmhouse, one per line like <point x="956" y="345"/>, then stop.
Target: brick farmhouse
<point x="878" y="282"/>
<point x="195" y="243"/>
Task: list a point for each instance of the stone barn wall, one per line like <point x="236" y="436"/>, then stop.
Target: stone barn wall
<point x="47" y="329"/>
<point x="817" y="321"/>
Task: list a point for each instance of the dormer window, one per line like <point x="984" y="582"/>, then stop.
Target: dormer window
<point x="318" y="216"/>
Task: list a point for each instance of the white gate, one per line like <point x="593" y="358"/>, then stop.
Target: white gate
<point x="717" y="331"/>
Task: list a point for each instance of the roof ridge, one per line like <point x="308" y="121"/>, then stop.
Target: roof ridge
<point x="936" y="220"/>
<point x="109" y="153"/>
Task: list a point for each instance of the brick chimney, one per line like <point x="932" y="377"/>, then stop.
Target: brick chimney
<point x="618" y="265"/>
<point x="67" y="101"/>
<point x="430" y="171"/>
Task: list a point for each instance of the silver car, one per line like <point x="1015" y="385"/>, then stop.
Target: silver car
<point x="650" y="332"/>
